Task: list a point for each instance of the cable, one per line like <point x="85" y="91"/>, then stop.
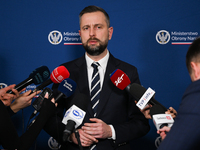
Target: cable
<point x="158" y="141"/>
<point x="78" y="139"/>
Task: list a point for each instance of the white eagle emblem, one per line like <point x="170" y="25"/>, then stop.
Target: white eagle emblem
<point x="55" y="37"/>
<point x="162" y="37"/>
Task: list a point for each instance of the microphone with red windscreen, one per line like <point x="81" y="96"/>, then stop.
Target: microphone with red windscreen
<point x="57" y="76"/>
<point x="120" y="79"/>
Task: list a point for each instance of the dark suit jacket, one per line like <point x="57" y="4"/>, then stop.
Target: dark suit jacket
<point x="116" y="107"/>
<point x="185" y="133"/>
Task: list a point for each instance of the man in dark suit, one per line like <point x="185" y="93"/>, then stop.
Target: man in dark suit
<point x="117" y="120"/>
<point x="185" y="133"/>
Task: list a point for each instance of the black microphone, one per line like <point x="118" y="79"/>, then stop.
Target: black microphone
<point x="157" y="111"/>
<point x="75" y="114"/>
<point x="122" y="81"/>
<point x="137" y="91"/>
<point x="37" y="76"/>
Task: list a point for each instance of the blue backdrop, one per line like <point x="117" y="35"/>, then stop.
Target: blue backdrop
<point x="24" y="45"/>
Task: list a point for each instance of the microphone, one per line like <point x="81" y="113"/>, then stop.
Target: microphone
<point x="120" y="79"/>
<point x="75" y="114"/>
<point x="160" y="119"/>
<point x="67" y="88"/>
<point x="57" y="76"/>
<point x="144" y="96"/>
<point x="37" y="76"/>
<point x="157" y="111"/>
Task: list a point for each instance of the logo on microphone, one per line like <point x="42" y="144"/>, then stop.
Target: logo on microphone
<point x="78" y="114"/>
<point x="3" y="85"/>
<point x="147" y="95"/>
<point x="162" y="37"/>
<point x="119" y="80"/>
<point x="168" y="117"/>
<point x="46" y="74"/>
<point x="60" y="78"/>
<point x="161" y="118"/>
<point x="67" y="112"/>
<point x="67" y="85"/>
<point x="145" y="98"/>
<point x="55" y="37"/>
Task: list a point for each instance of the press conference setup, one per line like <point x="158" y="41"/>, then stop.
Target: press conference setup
<point x="96" y="75"/>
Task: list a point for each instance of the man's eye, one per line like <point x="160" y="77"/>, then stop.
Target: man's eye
<point x="85" y="28"/>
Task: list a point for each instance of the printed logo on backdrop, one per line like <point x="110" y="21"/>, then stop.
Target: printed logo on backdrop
<point x="55" y="37"/>
<point x="3" y="85"/>
<point x="67" y="38"/>
<point x="53" y="144"/>
<point x="162" y="37"/>
<point x="176" y="37"/>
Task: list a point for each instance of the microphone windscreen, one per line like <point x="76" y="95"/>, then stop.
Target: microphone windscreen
<point x="137" y="91"/>
<point x="39" y="75"/>
<point x="67" y="87"/>
<point x="156" y="109"/>
<point x="59" y="74"/>
<point x="120" y="79"/>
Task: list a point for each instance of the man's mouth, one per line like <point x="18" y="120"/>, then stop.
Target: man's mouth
<point x="92" y="42"/>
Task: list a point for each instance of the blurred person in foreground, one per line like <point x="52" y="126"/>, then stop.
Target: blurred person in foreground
<point x="9" y="138"/>
<point x="17" y="101"/>
<point x="185" y="132"/>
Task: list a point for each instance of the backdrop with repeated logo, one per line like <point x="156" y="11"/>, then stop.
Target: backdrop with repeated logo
<point x="152" y="35"/>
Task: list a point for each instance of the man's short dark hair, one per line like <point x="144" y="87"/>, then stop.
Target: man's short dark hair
<point x="92" y="8"/>
<point x="193" y="54"/>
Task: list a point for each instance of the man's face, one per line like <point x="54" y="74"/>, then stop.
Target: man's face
<point x="94" y="33"/>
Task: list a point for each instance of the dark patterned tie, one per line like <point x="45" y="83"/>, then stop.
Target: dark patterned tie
<point x="95" y="92"/>
<point x="95" y="87"/>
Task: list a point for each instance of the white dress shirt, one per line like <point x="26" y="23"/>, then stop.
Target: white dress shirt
<point x="102" y="69"/>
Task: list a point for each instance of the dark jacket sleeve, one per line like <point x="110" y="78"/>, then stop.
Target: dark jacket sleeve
<point x="11" y="113"/>
<point x="9" y="137"/>
<point x="8" y="133"/>
<point x="27" y="139"/>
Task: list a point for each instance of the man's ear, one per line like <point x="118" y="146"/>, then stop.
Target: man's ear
<point x="110" y="32"/>
<point x="79" y="32"/>
<point x="195" y="69"/>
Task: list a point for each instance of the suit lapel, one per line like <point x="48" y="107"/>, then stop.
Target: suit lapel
<point x="82" y="81"/>
<point x="107" y="84"/>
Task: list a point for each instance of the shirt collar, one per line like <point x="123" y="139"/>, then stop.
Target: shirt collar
<point x="102" y="62"/>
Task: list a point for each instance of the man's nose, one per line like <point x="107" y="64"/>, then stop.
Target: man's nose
<point x="92" y="32"/>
